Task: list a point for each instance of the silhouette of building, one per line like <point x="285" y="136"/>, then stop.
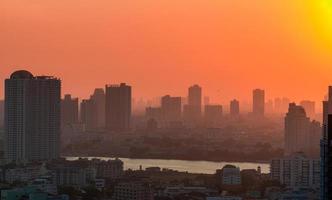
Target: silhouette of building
<point x="212" y="115"/>
<point x="154" y="113"/>
<point x="296" y="171"/>
<point x="32" y="117"/>
<point x="69" y="110"/>
<point x="118" y="107"/>
<point x="309" y="107"/>
<point x="2" y="113"/>
<point x="192" y="112"/>
<point x="269" y="107"/>
<point x="258" y="102"/>
<point x="89" y="114"/>
<point x="234" y="108"/>
<point x="301" y="134"/>
<point x="281" y="105"/>
<point x="171" y="109"/>
<point x="326" y="149"/>
<point x="99" y="99"/>
<point x="230" y="175"/>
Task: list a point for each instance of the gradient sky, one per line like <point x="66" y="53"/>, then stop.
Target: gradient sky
<point x="163" y="46"/>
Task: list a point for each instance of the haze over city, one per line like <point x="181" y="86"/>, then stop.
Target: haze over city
<point x="165" y="99"/>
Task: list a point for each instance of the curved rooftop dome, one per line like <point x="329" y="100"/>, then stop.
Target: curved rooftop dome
<point x="21" y="74"/>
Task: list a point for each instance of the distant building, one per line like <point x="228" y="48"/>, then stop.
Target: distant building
<point x="309" y="107"/>
<point x="258" y="108"/>
<point x="213" y="115"/>
<point x="296" y="171"/>
<point x="301" y="135"/>
<point x="2" y="113"/>
<point x="99" y="100"/>
<point x="192" y="112"/>
<point x="154" y="113"/>
<point x="171" y="109"/>
<point x="32" y="117"/>
<point x="89" y="114"/>
<point x="326" y="149"/>
<point x="281" y="105"/>
<point x="234" y="108"/>
<point x="111" y="169"/>
<point x="69" y="110"/>
<point x="230" y="175"/>
<point x="118" y="107"/>
<point x="132" y="190"/>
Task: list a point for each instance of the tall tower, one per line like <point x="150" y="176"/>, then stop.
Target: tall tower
<point x="301" y="135"/>
<point x="118" y="107"/>
<point x="99" y="99"/>
<point x="326" y="149"/>
<point x="32" y="117"/>
<point x="234" y="108"/>
<point x="258" y="102"/>
<point x="69" y="110"/>
<point x="192" y="112"/>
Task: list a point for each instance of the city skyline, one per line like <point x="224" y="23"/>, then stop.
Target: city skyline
<point x="213" y="44"/>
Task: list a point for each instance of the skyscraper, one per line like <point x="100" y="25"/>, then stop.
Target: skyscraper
<point x="301" y="135"/>
<point x="258" y="102"/>
<point x="171" y="108"/>
<point x="2" y="113"/>
<point x="192" y="112"/>
<point x="234" y="108"/>
<point x="309" y="107"/>
<point x="118" y="107"/>
<point x="326" y="149"/>
<point x="32" y="117"/>
<point x="69" y="110"/>
<point x="99" y="99"/>
<point x="212" y="115"/>
<point x="89" y="114"/>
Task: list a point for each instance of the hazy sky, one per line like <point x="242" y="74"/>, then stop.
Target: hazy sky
<point x="163" y="46"/>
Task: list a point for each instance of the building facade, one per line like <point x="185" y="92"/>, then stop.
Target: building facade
<point x="32" y="117"/>
<point x="69" y="110"/>
<point x="301" y="134"/>
<point x="258" y="107"/>
<point x="118" y="107"/>
<point x="296" y="171"/>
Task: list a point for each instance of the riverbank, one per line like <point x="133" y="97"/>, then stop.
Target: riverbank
<point x="201" y="167"/>
<point x="168" y="158"/>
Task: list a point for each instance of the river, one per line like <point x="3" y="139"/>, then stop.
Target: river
<point x="205" y="167"/>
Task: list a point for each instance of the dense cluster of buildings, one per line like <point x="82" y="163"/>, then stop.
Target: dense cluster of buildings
<point x="35" y="115"/>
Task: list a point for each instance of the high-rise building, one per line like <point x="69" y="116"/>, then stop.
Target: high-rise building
<point x="234" y="108"/>
<point x="2" y="112"/>
<point x="281" y="105"/>
<point x="213" y="115"/>
<point x="99" y="99"/>
<point x="118" y="107"/>
<point x="296" y="171"/>
<point x="258" y="102"/>
<point x="192" y="112"/>
<point x="309" y="107"/>
<point x="32" y="117"/>
<point x="171" y="108"/>
<point x="89" y="114"/>
<point x="69" y="110"/>
<point x="326" y="149"/>
<point x="301" y="134"/>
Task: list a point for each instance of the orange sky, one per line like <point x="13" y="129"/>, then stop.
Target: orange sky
<point x="227" y="46"/>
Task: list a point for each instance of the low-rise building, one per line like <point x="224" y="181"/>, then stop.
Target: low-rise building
<point x="133" y="190"/>
<point x="296" y="171"/>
